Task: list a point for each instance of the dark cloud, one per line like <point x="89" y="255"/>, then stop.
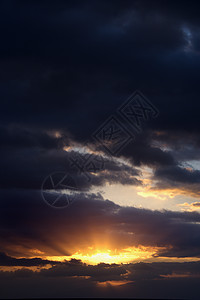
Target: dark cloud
<point x="143" y="152"/>
<point x="14" y="137"/>
<point x="177" y="174"/>
<point x="196" y="204"/>
<point x="177" y="178"/>
<point x="183" y="145"/>
<point x="103" y="49"/>
<point x="101" y="272"/>
<point x="141" y="279"/>
<point x="27" y="167"/>
<point x="6" y="260"/>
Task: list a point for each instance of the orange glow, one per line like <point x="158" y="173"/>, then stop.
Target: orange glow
<point x="165" y="194"/>
<point x="113" y="283"/>
<point x="159" y="194"/>
<point x="107" y="256"/>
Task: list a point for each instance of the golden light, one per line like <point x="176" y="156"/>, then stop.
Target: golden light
<point x="158" y="194"/>
<point x="113" y="283"/>
<point x="107" y="256"/>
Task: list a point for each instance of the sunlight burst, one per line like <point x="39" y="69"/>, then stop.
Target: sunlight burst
<point x="107" y="256"/>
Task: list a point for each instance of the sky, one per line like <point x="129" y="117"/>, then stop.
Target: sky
<point x="100" y="160"/>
